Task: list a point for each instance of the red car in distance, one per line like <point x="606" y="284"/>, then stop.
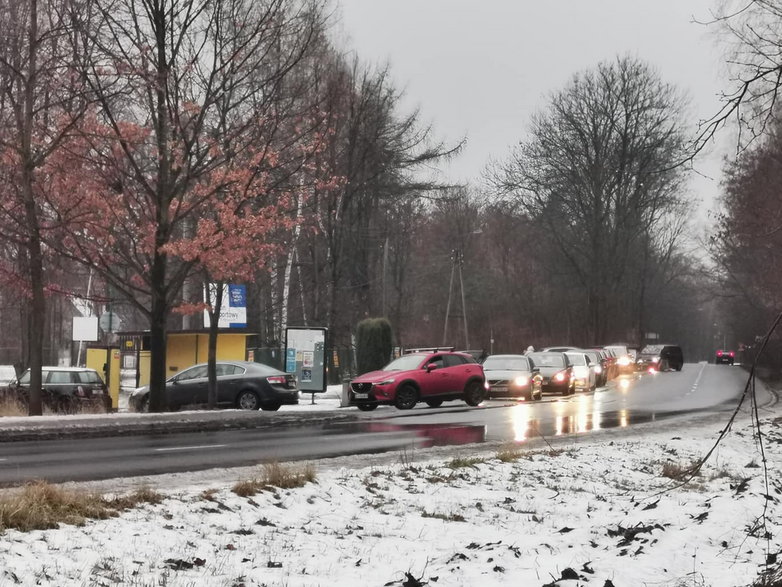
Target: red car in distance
<point x="724" y="357"/>
<point x="431" y="377"/>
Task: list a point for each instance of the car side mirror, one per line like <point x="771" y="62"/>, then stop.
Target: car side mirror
<point x="430" y="367"/>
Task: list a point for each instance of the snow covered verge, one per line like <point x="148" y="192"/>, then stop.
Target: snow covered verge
<point x="601" y="513"/>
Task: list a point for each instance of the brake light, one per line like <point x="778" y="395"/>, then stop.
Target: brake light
<point x="732" y="353"/>
<point x="276" y="380"/>
<point x="719" y="353"/>
<point x="559" y="377"/>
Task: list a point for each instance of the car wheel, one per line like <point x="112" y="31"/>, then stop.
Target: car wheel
<point x="270" y="406"/>
<point x="406" y="397"/>
<point x="473" y="393"/>
<point x="143" y="405"/>
<point x="366" y="407"/>
<point x="434" y="403"/>
<point x="679" y="367"/>
<point x="247" y="400"/>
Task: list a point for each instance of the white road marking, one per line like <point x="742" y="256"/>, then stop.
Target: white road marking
<point x="3" y="460"/>
<point x="697" y="379"/>
<point x="175" y="448"/>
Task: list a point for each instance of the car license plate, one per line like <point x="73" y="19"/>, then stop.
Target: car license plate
<point x="361" y="395"/>
<point x="499" y="388"/>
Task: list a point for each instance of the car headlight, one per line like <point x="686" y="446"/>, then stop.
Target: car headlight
<point x="559" y="377"/>
<point x="521" y="380"/>
<point x="598" y="369"/>
<point x="655" y="359"/>
<point x="624" y="361"/>
<point x="385" y="381"/>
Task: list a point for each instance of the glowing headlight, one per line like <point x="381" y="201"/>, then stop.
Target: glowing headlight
<point x="623" y="361"/>
<point x="598" y="369"/>
<point x="655" y="359"/>
<point x="521" y="380"/>
<point x="559" y="376"/>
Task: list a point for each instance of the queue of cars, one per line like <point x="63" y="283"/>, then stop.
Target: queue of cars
<point x="435" y="375"/>
<point x="431" y="376"/>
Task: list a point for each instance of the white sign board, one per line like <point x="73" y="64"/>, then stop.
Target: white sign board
<point x="85" y="328"/>
<point x="233" y="311"/>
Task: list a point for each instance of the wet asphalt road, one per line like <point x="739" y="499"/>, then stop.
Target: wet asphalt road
<point x="626" y="401"/>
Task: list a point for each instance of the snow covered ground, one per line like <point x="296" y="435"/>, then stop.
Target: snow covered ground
<point x="597" y="513"/>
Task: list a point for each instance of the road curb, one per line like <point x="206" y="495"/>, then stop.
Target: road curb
<point x="155" y="424"/>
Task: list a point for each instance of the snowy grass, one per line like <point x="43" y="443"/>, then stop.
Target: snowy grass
<point x="599" y="513"/>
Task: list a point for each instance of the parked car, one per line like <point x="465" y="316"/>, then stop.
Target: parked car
<point x="584" y="377"/>
<point x="556" y="371"/>
<point x="660" y="357"/>
<point x="66" y="389"/>
<point x="624" y="360"/>
<point x="724" y="357"/>
<point x="607" y="364"/>
<point x="512" y="376"/>
<point x="7" y="377"/>
<point x="431" y="377"/>
<point x="240" y="384"/>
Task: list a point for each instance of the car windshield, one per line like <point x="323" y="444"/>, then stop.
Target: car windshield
<point x="405" y="363"/>
<point x="577" y="359"/>
<point x="548" y="359"/>
<point x="506" y="364"/>
<point x="7" y="373"/>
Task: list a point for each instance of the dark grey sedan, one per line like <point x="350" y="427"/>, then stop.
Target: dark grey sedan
<point x="240" y="384"/>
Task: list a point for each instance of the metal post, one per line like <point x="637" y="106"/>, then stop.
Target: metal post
<point x="464" y="307"/>
<point x="448" y="305"/>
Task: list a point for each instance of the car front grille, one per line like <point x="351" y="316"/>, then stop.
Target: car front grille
<point x="361" y="387"/>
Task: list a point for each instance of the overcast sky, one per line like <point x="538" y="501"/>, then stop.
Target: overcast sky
<point x="478" y="69"/>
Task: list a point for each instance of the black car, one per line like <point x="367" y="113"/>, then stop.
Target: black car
<point x="66" y="389"/>
<point x="240" y="384"/>
<point x="556" y="370"/>
<point x="724" y="357"/>
<point x="660" y="357"/>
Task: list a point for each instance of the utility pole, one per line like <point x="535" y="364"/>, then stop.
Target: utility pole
<point x="448" y="305"/>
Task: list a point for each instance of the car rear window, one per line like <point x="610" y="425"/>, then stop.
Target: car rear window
<point x="89" y="377"/>
<point x="577" y="359"/>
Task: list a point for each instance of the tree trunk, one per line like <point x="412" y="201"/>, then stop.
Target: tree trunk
<point x="157" y="336"/>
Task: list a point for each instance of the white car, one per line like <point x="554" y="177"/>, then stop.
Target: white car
<point x="583" y="371"/>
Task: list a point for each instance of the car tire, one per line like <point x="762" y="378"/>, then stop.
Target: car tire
<point x="366" y="407"/>
<point x="473" y="393"/>
<point x="247" y="400"/>
<point x="143" y="405"/>
<point x="406" y="397"/>
<point x="434" y="403"/>
<point x="679" y="367"/>
<point x="270" y="406"/>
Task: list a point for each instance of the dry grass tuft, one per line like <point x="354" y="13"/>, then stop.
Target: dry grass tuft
<point x="462" y="462"/>
<point x="509" y="455"/>
<point x="678" y="471"/>
<point x="41" y="506"/>
<point x="276" y="475"/>
<point x="11" y="407"/>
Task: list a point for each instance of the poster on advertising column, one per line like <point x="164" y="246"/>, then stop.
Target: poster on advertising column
<point x="233" y="310"/>
<point x="305" y="357"/>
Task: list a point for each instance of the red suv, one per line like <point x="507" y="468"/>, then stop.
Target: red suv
<point x="431" y="377"/>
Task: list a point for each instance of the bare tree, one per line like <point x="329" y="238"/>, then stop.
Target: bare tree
<point x="600" y="173"/>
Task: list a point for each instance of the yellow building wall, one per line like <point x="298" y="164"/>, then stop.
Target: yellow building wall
<point x="96" y="359"/>
<point x="185" y="350"/>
